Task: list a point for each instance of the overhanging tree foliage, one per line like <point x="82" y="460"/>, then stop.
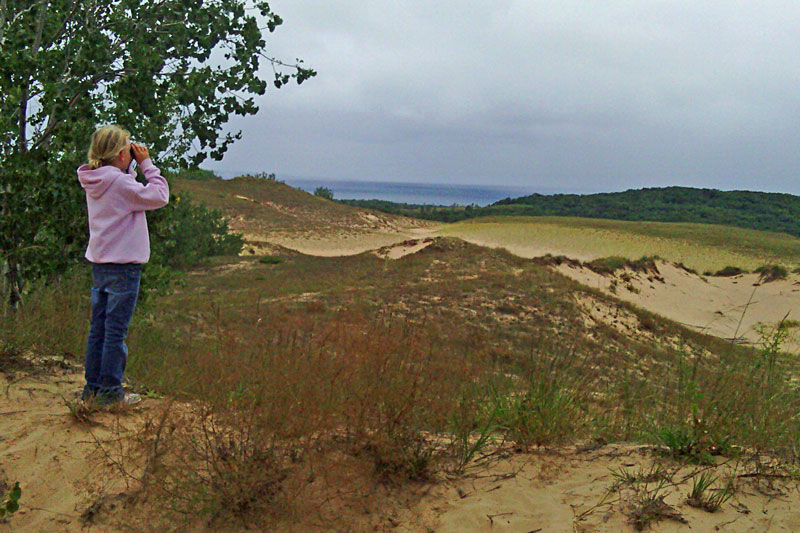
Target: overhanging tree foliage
<point x="170" y="71"/>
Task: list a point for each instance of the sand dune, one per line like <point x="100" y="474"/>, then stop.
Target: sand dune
<point x="724" y="307"/>
<point x="65" y="474"/>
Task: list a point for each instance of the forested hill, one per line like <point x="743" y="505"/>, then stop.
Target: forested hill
<point x="756" y="210"/>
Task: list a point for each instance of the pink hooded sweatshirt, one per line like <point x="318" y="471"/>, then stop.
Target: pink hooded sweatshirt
<point x="116" y="204"/>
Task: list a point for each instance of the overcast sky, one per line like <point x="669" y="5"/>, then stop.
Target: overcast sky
<point x="556" y="95"/>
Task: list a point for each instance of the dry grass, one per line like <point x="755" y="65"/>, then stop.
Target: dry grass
<point x="309" y="375"/>
<point x="258" y="207"/>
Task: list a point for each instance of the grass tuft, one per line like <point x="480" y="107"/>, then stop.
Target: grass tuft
<point x="703" y="496"/>
<point x="729" y="271"/>
<point x="771" y="273"/>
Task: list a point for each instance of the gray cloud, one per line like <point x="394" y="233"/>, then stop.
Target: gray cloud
<point x="582" y="95"/>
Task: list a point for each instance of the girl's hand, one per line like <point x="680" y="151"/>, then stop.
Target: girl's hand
<point x="140" y="153"/>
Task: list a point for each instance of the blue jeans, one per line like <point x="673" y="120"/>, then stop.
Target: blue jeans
<point x="115" y="288"/>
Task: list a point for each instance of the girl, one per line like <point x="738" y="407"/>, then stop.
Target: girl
<point x="118" y="246"/>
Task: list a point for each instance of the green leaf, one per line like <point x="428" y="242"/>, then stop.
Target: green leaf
<point x="12" y="506"/>
<point x="16" y="492"/>
<point x="172" y="97"/>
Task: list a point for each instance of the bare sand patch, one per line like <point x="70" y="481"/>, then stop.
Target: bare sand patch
<point x="396" y="251"/>
<point x="57" y="461"/>
<point x="729" y="308"/>
<point x="343" y="243"/>
<point x="569" y="490"/>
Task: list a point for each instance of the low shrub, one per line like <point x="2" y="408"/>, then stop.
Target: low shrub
<point x="323" y="192"/>
<point x="607" y="265"/>
<point x="772" y="273"/>
<point x="547" y="409"/>
<point x="729" y="271"/>
<point x="11" y="505"/>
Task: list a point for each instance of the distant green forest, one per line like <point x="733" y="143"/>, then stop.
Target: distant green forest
<point x="744" y="209"/>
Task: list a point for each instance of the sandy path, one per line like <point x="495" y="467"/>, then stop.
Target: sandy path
<point x="353" y="244"/>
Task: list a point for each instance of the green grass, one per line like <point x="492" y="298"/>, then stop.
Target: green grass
<point x="702" y="247"/>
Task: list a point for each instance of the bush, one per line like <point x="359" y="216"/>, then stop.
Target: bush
<point x="324" y="192"/>
<point x="11" y="505"/>
<point x="181" y="235"/>
<point x="184" y="232"/>
<point x="268" y="176"/>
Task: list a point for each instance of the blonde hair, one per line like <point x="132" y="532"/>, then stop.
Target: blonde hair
<point x="106" y="144"/>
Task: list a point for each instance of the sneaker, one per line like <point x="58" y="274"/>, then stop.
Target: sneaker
<point x="131" y="398"/>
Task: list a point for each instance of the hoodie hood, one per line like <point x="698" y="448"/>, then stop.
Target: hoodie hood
<point x="96" y="181"/>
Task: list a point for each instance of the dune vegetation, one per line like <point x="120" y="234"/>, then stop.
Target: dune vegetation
<point x="293" y="391"/>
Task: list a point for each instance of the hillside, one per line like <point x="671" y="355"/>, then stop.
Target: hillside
<point x="702" y="247"/>
<point x="428" y="384"/>
<point x="258" y="207"/>
<point x="745" y="209"/>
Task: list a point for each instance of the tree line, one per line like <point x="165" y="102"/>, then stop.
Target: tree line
<point x="745" y="209"/>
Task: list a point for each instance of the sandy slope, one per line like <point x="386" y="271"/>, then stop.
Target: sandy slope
<point x="55" y="459"/>
<point x="352" y="244"/>
<point x="67" y="477"/>
<point x="724" y="307"/>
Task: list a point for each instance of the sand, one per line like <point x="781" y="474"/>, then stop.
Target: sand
<point x="344" y="243"/>
<point x="67" y="477"/>
<point x="569" y="490"/>
<point x="726" y="307"/>
<point x="59" y="465"/>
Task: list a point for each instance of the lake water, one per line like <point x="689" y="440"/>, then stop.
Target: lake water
<point x="410" y="193"/>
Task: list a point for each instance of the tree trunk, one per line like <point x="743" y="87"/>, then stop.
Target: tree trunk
<point x="14" y="284"/>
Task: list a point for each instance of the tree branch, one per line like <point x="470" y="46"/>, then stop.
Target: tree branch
<point x="23" y="120"/>
<point x="48" y="132"/>
<point x="37" y="41"/>
<point x="64" y="24"/>
<point x="9" y="21"/>
<point x="22" y="138"/>
<point x="3" y="18"/>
